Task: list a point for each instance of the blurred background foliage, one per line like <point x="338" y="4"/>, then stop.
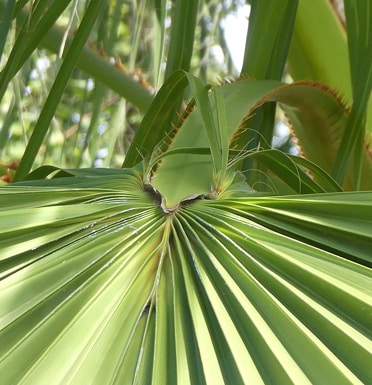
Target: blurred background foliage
<point x="132" y="48"/>
<point x="93" y="125"/>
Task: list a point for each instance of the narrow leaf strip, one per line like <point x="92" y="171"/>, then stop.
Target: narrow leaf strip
<point x="157" y="122"/>
<point x="68" y="65"/>
<point x="359" y="28"/>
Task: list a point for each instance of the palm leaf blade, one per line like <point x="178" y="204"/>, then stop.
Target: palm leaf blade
<point x="218" y="291"/>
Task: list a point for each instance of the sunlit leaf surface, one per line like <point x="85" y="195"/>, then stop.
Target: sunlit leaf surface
<point x="99" y="285"/>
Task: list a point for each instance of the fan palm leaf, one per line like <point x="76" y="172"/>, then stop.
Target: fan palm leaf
<point x="100" y="283"/>
<point x="210" y="258"/>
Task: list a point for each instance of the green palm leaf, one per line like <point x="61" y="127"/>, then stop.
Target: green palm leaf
<point x="97" y="282"/>
<point x="206" y="259"/>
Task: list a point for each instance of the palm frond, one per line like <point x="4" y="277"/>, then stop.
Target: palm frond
<point x="100" y="282"/>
